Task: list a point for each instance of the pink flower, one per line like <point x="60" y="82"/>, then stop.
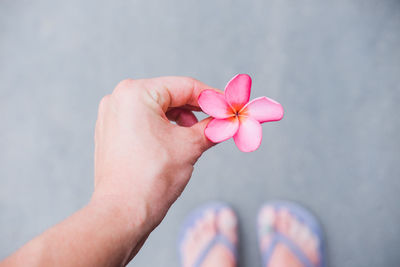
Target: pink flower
<point x="234" y="116"/>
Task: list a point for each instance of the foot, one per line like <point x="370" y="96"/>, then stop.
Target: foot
<point x="272" y="220"/>
<point x="201" y="234"/>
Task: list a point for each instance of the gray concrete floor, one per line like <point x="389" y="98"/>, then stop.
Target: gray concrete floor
<point x="335" y="66"/>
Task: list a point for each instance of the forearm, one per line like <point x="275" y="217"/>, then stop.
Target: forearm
<point x="100" y="234"/>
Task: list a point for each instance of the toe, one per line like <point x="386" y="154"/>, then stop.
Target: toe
<point x="266" y="216"/>
<point x="283" y="221"/>
<point x="210" y="221"/>
<point x="227" y="224"/>
<point x="300" y="234"/>
<point x="205" y="230"/>
<point x="307" y="241"/>
<point x="266" y="220"/>
<point x="294" y="228"/>
<point x="198" y="236"/>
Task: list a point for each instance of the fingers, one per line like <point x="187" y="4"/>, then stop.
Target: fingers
<point x="177" y="97"/>
<point x="201" y="141"/>
<point x="174" y="91"/>
<point x="182" y="117"/>
<point x="165" y="92"/>
<point x="189" y="107"/>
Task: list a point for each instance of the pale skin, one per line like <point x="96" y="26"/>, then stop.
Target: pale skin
<point x="142" y="164"/>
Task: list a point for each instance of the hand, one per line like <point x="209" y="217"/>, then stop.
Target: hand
<point x="142" y="164"/>
<point x="142" y="160"/>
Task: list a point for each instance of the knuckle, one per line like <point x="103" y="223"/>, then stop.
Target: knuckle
<point x="128" y="88"/>
<point x="103" y="102"/>
<point x="124" y="86"/>
<point x="194" y="82"/>
<point x="126" y="83"/>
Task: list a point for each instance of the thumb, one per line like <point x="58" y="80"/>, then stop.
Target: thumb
<point x="202" y="142"/>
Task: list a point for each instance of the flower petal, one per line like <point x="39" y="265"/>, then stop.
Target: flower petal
<point x="248" y="137"/>
<point x="263" y="109"/>
<point x="237" y="91"/>
<point x="214" y="104"/>
<point x="219" y="130"/>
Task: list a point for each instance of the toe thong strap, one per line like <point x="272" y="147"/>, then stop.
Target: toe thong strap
<point x="279" y="238"/>
<point x="218" y="239"/>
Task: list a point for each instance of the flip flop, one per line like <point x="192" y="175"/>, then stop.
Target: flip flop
<point x="219" y="238"/>
<point x="302" y="215"/>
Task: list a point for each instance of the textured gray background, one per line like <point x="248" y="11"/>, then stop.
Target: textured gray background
<point x="334" y="65"/>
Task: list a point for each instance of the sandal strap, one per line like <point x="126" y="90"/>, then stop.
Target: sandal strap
<point x="218" y="239"/>
<point x="279" y="238"/>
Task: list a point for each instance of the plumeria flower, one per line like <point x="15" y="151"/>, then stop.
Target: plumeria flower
<point x="234" y="116"/>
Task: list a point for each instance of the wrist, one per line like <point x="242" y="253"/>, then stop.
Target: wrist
<point x="131" y="217"/>
<point x="126" y="221"/>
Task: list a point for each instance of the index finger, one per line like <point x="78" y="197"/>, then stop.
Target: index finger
<point x="175" y="91"/>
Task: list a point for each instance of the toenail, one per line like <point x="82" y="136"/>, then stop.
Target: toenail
<point x="209" y="215"/>
<point x="227" y="219"/>
<point x="267" y="216"/>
